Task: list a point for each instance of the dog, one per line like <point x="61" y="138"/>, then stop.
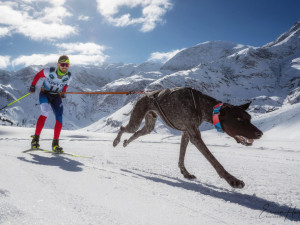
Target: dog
<point x="184" y="109"/>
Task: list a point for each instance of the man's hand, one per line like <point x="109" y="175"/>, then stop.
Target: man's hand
<point x="32" y="89"/>
<point x="62" y="95"/>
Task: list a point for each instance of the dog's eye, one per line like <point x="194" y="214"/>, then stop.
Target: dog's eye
<point x="239" y="119"/>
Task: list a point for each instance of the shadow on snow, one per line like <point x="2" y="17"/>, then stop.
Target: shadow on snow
<point x="266" y="208"/>
<point x="58" y="160"/>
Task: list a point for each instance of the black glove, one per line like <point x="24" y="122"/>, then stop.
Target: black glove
<point x="130" y="93"/>
<point x="32" y="89"/>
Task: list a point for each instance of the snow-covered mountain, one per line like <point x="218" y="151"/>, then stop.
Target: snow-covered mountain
<point x="269" y="76"/>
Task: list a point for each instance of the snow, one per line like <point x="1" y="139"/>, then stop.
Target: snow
<point x="202" y="53"/>
<point x="282" y="124"/>
<point x="141" y="184"/>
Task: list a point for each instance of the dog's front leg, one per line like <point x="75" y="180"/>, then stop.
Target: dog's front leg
<point x="196" y="139"/>
<point x="183" y="145"/>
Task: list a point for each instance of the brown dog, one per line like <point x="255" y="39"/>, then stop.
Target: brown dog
<point x="185" y="109"/>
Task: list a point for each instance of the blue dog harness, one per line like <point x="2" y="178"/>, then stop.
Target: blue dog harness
<point x="215" y="117"/>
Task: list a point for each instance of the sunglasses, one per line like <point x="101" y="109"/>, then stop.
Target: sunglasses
<point x="64" y="64"/>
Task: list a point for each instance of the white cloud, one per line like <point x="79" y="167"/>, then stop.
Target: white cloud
<point x="83" y="18"/>
<point x="152" y="12"/>
<point x="38" y="30"/>
<point x="35" y="59"/>
<point x="4" y="31"/>
<point x="79" y="54"/>
<point x="37" y="19"/>
<point x="55" y="14"/>
<point x="89" y="48"/>
<point x="84" y="53"/>
<point x="163" y="56"/>
<point x="4" y="61"/>
<point x="87" y="59"/>
<point x="11" y="17"/>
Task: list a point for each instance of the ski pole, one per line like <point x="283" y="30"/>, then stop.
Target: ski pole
<point x="15" y="101"/>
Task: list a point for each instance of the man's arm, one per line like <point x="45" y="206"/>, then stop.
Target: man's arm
<point x="35" y="80"/>
<point x="37" y="77"/>
<point x="64" y="90"/>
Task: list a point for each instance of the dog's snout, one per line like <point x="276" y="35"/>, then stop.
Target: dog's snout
<point x="258" y="134"/>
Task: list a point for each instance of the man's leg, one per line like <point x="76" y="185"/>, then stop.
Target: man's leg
<point x="40" y="124"/>
<point x="58" y="109"/>
<point x="45" y="110"/>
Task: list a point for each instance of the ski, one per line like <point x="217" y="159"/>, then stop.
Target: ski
<point x="56" y="153"/>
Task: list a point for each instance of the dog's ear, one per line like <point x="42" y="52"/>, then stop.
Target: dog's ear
<point x="245" y="106"/>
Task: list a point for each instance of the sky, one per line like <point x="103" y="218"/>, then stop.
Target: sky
<point x="92" y="32"/>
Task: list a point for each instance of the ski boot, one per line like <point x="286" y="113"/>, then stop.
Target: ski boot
<point x="35" y="142"/>
<point x="55" y="146"/>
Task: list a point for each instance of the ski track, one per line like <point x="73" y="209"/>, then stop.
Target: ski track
<point x="141" y="184"/>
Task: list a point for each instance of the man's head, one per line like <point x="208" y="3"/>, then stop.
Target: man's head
<point x="63" y="63"/>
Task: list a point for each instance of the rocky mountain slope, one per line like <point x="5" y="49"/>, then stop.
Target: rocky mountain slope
<point x="269" y="76"/>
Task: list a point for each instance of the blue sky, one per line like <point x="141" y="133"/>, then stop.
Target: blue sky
<point x="36" y="32"/>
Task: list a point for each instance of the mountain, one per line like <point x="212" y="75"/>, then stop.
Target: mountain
<point x="269" y="76"/>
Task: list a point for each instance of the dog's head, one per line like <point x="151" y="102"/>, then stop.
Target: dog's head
<point x="236" y="122"/>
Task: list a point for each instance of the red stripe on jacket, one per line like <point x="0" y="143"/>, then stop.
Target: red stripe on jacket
<point x="65" y="88"/>
<point x="37" y="77"/>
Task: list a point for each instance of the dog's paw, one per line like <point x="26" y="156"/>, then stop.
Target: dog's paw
<point x="232" y="181"/>
<point x="125" y="143"/>
<point x="236" y="183"/>
<point x="190" y="176"/>
<point x="185" y="173"/>
<point x="116" y="142"/>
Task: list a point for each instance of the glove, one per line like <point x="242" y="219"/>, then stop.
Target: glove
<point x="130" y="93"/>
<point x="62" y="95"/>
<point x="32" y="89"/>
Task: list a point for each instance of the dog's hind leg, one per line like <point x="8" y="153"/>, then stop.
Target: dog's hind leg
<point x="118" y="138"/>
<point x="196" y="139"/>
<point x="150" y="120"/>
<point x="138" y="113"/>
<point x="183" y="145"/>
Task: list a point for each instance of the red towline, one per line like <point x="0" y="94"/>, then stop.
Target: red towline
<point x="107" y="92"/>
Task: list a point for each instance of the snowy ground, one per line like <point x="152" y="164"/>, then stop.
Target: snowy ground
<point x="142" y="184"/>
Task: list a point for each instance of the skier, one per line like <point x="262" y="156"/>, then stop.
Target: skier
<point x="56" y="80"/>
